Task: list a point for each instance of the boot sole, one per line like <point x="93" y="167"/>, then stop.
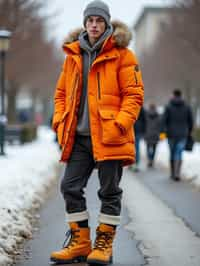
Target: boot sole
<point x="74" y="260"/>
<point x="100" y="262"/>
<point x="177" y="179"/>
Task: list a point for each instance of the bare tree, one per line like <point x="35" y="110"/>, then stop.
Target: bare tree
<point x="188" y="25"/>
<point x="30" y="56"/>
<point x="174" y="59"/>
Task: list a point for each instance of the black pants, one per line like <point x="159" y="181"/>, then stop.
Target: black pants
<point x="77" y="173"/>
<point x="151" y="150"/>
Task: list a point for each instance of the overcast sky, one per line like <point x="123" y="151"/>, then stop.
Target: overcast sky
<point x="71" y="13"/>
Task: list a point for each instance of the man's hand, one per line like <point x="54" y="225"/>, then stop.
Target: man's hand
<point x="122" y="129"/>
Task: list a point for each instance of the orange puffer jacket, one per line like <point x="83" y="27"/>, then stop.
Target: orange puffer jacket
<point x="115" y="96"/>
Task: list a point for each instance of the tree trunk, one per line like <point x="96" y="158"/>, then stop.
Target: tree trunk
<point x="11" y="107"/>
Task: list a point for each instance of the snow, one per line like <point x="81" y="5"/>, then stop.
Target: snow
<point x="27" y="173"/>
<point x="191" y="161"/>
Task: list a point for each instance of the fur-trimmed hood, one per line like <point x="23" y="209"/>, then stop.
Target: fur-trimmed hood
<point x="121" y="34"/>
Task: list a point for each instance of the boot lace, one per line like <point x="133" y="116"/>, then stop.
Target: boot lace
<point x="103" y="240"/>
<point x="71" y="238"/>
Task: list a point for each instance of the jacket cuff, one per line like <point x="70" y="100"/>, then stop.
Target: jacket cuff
<point x="56" y="120"/>
<point x="124" y="123"/>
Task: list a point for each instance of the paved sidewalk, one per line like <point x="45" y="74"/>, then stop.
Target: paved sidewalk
<point x="51" y="232"/>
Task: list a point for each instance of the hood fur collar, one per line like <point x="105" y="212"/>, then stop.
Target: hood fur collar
<point x="121" y="34"/>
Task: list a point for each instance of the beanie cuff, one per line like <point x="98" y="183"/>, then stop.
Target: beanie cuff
<point x="93" y="11"/>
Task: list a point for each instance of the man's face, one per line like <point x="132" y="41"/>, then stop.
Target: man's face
<point x="95" y="27"/>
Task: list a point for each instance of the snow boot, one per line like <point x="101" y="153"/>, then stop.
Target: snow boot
<point x="77" y="248"/>
<point x="150" y="164"/>
<point x="172" y="169"/>
<point x="102" y="251"/>
<point x="177" y="170"/>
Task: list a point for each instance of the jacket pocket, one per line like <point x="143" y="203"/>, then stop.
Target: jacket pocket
<point x="62" y="128"/>
<point x="110" y="132"/>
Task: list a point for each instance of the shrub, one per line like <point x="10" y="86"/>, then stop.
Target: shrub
<point x="28" y="132"/>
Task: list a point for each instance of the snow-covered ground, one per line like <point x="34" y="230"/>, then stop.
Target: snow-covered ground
<point x="27" y="173"/>
<point x="191" y="161"/>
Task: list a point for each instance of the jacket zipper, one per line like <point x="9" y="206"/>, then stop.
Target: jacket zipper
<point x="99" y="85"/>
<point x="74" y="86"/>
<point x="136" y="80"/>
<point x="72" y="97"/>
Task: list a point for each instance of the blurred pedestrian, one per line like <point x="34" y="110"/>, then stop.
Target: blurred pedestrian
<point x="139" y="129"/>
<point x="98" y="97"/>
<point x="153" y="127"/>
<point x="178" y="125"/>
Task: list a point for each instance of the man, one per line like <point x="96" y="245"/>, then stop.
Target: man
<point x="153" y="124"/>
<point x="97" y="99"/>
<point x="178" y="125"/>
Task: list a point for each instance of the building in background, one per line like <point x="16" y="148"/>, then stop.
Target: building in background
<point x="147" y="30"/>
<point x="148" y="26"/>
<point x="166" y="55"/>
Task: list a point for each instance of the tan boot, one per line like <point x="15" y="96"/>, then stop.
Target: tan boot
<point x="102" y="251"/>
<point x="78" y="247"/>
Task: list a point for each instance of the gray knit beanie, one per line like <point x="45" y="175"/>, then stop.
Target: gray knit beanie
<point x="97" y="8"/>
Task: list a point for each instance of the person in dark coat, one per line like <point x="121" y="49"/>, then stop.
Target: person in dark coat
<point x="153" y="124"/>
<point x="178" y="125"/>
<point x="139" y="129"/>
